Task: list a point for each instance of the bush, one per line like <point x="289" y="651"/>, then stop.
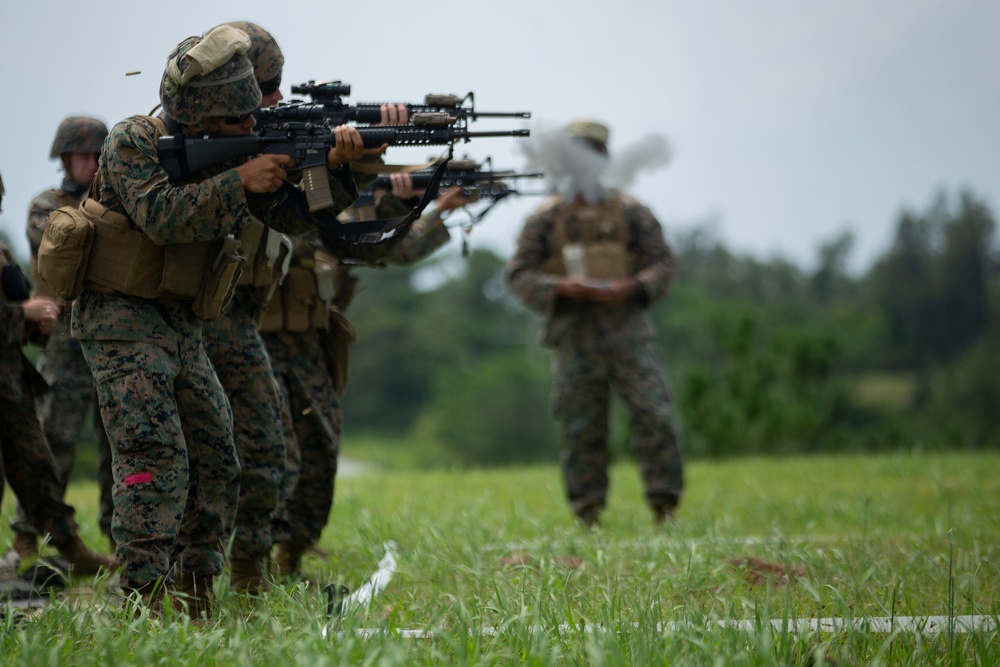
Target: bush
<point x="495" y="411"/>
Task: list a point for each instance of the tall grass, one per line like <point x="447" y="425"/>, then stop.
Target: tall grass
<point x="493" y="570"/>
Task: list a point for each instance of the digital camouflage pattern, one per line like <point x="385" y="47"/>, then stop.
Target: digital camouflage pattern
<point x="307" y="389"/>
<point x="26" y="461"/>
<point x="264" y="53"/>
<point x="228" y="90"/>
<point x="63" y="409"/>
<point x="427" y="234"/>
<point x="599" y="348"/>
<point x="164" y="409"/>
<point x="176" y="475"/>
<point x="78" y="134"/>
<point x="313" y="410"/>
<point x="244" y="369"/>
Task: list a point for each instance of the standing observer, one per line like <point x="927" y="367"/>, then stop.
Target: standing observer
<point x="25" y="459"/>
<point x="591" y="263"/>
<point x="71" y="396"/>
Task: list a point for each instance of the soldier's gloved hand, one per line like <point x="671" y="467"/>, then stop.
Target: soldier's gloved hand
<point x="264" y="173"/>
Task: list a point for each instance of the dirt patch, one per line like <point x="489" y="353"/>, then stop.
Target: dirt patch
<point x="757" y="571"/>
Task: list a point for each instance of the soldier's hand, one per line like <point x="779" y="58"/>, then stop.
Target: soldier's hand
<point x="264" y="173"/>
<point x="394" y="114"/>
<point x="402" y="187"/>
<point x="614" y="292"/>
<point x="452" y="198"/>
<point x="43" y="312"/>
<point x="574" y="287"/>
<point x="348" y="146"/>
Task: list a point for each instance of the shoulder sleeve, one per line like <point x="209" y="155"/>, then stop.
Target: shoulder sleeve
<point x="38" y="217"/>
<point x="134" y="183"/>
<point x="653" y="260"/>
<point x="525" y="272"/>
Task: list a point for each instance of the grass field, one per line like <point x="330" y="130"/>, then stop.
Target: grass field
<point x="492" y="570"/>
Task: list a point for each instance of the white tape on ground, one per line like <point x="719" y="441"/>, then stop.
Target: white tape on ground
<point x="925" y="625"/>
<point x="376" y="583"/>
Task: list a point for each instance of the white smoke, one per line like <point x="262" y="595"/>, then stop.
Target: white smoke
<point x="574" y="170"/>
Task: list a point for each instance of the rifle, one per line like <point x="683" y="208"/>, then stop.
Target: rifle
<point x="303" y="132"/>
<point x="468" y="175"/>
<point x="331" y="93"/>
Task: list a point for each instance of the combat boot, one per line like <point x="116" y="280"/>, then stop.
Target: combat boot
<point x="194" y="591"/>
<point x="82" y="560"/>
<point x="663" y="514"/>
<point x="590" y="517"/>
<point x="25" y="545"/>
<point x="288" y="557"/>
<point x="246" y="575"/>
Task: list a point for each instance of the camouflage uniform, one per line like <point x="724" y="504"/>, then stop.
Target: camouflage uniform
<point x="25" y="459"/>
<point x="308" y="387"/>
<point x="598" y="347"/>
<point x="72" y="395"/>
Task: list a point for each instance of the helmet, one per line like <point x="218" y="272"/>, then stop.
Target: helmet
<point x="209" y="76"/>
<point x="264" y="54"/>
<point x="589" y="129"/>
<point x="78" y="134"/>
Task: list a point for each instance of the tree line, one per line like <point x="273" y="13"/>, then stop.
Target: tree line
<point x="764" y="357"/>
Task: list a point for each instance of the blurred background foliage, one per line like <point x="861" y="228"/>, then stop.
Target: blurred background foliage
<point x="764" y="357"/>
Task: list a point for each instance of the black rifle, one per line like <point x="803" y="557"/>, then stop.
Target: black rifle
<point x="300" y="131"/>
<point x="468" y="175"/>
<point x="331" y="93"/>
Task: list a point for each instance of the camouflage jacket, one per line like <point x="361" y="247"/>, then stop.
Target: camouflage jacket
<point x="651" y="258"/>
<point x="211" y="206"/>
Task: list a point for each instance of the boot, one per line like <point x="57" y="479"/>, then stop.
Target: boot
<point x="194" y="591"/>
<point x="590" y="517"/>
<point x="82" y="560"/>
<point x="246" y="575"/>
<point x="26" y="545"/>
<point x="664" y="514"/>
<point x="288" y="556"/>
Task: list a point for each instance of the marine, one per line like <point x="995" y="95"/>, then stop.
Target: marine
<point x="592" y="261"/>
<point x="71" y="396"/>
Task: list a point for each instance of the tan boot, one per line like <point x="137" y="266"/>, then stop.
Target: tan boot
<point x="196" y="594"/>
<point x="25" y="545"/>
<point x="288" y="556"/>
<point x="82" y="560"/>
<point x="246" y="575"/>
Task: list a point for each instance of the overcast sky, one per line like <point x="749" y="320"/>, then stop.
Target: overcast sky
<point x="789" y="121"/>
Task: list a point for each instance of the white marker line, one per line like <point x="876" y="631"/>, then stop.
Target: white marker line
<point x="923" y="625"/>
<point x="376" y="583"/>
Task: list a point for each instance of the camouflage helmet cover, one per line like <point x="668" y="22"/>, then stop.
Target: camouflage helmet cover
<point x="589" y="129"/>
<point x="209" y="76"/>
<point x="78" y="134"/>
<point x="265" y="55"/>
